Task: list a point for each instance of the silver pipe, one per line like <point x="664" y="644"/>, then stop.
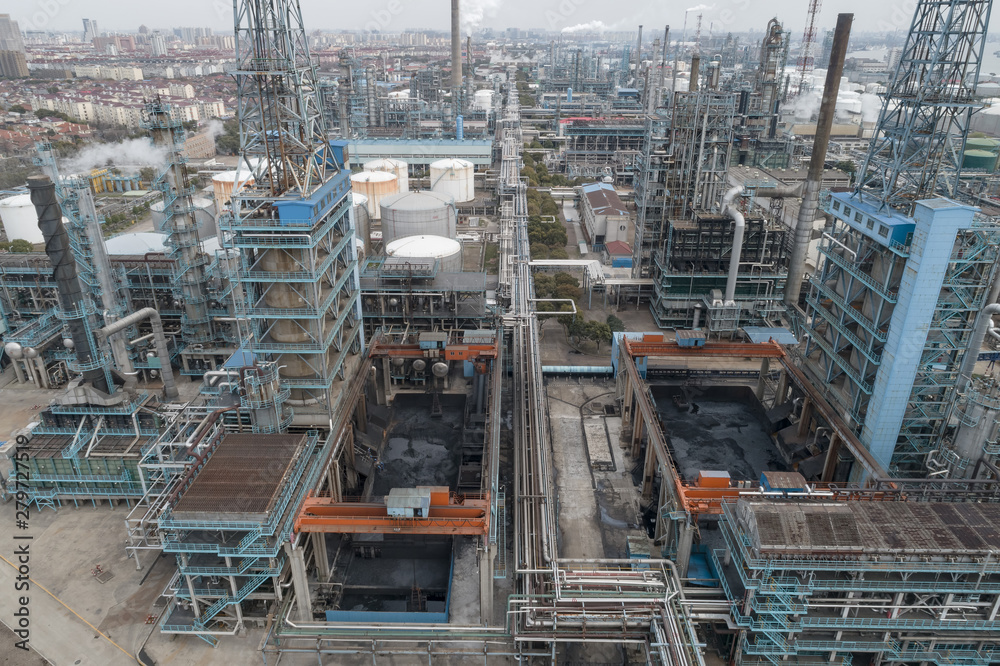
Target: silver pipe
<point x="983" y="324"/>
<point x="169" y="385"/>
<point x="734" y="260"/>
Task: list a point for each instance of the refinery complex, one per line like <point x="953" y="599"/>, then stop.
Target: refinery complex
<point x="667" y="347"/>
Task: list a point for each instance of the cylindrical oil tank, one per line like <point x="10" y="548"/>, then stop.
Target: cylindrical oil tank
<point x="483" y="99"/>
<point x="374" y="185"/>
<point x="980" y="159"/>
<point x="454" y="177"/>
<point x="418" y="214"/>
<point x="224" y="183"/>
<point x="398" y="168"/>
<point x="359" y="219"/>
<point x="204" y="213"/>
<point x="445" y="251"/>
<point x="19" y="219"/>
<point x="992" y="145"/>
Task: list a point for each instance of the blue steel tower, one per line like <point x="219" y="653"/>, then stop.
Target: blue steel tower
<point x="903" y="272"/>
<point x="292" y="223"/>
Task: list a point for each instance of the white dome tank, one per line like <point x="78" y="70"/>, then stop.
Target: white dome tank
<point x="398" y="168"/>
<point x="447" y="252"/>
<point x="374" y="185"/>
<point x="204" y="212"/>
<point x="224" y="183"/>
<point x="483" y="99"/>
<point x="418" y="214"/>
<point x="454" y="177"/>
<point x="20" y="220"/>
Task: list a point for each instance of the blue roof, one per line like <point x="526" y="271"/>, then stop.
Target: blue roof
<point x="758" y="334"/>
<point x="240" y="359"/>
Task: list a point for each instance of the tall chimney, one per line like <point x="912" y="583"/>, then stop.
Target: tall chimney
<point x="43" y="196"/>
<point x="456" y="48"/>
<point x="695" y="66"/>
<point x="663" y="58"/>
<point x="810" y="194"/>
<point x="638" y="54"/>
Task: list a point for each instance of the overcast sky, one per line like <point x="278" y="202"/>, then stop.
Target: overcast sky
<point x="394" y="15"/>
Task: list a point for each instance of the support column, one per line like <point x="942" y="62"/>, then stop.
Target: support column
<point x="782" y="390"/>
<point x="195" y="607"/>
<point x="486" y="582"/>
<point x="321" y="557"/>
<point x="648" y="473"/>
<point x="658" y="532"/>
<point x="43" y="376"/>
<point x="832" y="457"/>
<point x="805" y="417"/>
<point x="685" y="540"/>
<point x="303" y="600"/>
<point x="18" y="371"/>
<point x="235" y="590"/>
<point x="765" y="368"/>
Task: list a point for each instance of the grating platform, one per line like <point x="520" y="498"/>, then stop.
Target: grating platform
<point x="242" y="479"/>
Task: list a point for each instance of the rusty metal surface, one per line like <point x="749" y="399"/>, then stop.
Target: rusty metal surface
<point x="939" y="528"/>
<point x="243" y="476"/>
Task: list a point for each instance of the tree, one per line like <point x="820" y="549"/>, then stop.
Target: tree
<point x="147" y="174"/>
<point x="573" y="323"/>
<point x="615" y="324"/>
<point x="597" y="331"/>
<point x="17" y="108"/>
<point x="567" y="291"/>
<point x="544" y="284"/>
<point x="539" y="251"/>
<point x="228" y="143"/>
<point x="562" y="278"/>
<point x="558" y="253"/>
<point x="21" y="245"/>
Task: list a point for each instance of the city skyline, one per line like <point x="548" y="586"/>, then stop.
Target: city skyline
<point x="569" y="16"/>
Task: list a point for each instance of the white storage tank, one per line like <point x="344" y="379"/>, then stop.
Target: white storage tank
<point x="483" y="99"/>
<point x="204" y="212"/>
<point x="374" y="185"/>
<point x="445" y="251"/>
<point x="454" y="177"/>
<point x="398" y="168"/>
<point x="19" y="219"/>
<point x="418" y="214"/>
<point x="224" y="183"/>
<point x="359" y="218"/>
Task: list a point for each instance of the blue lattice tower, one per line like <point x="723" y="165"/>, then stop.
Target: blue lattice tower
<point x="920" y="137"/>
<point x="181" y="227"/>
<point x="292" y="223"/>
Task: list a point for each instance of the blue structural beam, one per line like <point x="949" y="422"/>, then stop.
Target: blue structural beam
<point x="938" y="221"/>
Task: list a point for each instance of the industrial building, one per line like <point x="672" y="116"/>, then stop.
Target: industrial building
<point x="344" y="424"/>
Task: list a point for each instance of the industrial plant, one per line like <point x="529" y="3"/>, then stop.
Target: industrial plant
<point x="517" y="348"/>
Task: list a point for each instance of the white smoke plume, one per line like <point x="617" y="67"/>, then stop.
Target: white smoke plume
<point x="214" y="128"/>
<point x="700" y="8"/>
<point x="592" y="26"/>
<point x="129" y="156"/>
<point x="805" y="107"/>
<point x="474" y="11"/>
<point x="871" y="106"/>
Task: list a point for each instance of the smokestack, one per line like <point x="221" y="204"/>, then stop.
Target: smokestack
<point x="695" y="66"/>
<point x="810" y="195"/>
<point x="43" y="196"/>
<point x="456" y="48"/>
<point x="663" y="58"/>
<point x="638" y="54"/>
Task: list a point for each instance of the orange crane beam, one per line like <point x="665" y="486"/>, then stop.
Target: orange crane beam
<point x="459" y="516"/>
<point x="636" y="348"/>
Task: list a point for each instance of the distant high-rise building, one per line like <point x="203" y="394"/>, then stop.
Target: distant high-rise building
<point x="10" y="35"/>
<point x="158" y="44"/>
<point x="90" y="30"/>
<point x="894" y="56"/>
<point x="13" y="65"/>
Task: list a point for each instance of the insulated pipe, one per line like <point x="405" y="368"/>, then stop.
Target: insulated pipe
<point x="43" y="196"/>
<point x="810" y="197"/>
<point x="160" y="341"/>
<point x="695" y="65"/>
<point x="734" y="261"/>
<point x="983" y="324"/>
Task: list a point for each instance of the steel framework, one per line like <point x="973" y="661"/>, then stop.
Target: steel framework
<point x="924" y="122"/>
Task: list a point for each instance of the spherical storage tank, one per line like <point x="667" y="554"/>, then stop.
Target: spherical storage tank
<point x="447" y="252"/>
<point x="398" y="168"/>
<point x="19" y="219"/>
<point x="224" y="183"/>
<point x="418" y="214"/>
<point x="980" y="159"/>
<point x="374" y="185"/>
<point x="454" y="177"/>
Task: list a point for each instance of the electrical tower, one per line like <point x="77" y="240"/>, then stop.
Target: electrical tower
<point x="291" y="223"/>
<point x="924" y="122"/>
<point x="808" y="37"/>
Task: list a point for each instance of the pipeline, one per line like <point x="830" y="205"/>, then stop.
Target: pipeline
<point x="43" y="196"/>
<point x="810" y="199"/>
<point x="160" y="340"/>
<point x="983" y="324"/>
<point x="734" y="261"/>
